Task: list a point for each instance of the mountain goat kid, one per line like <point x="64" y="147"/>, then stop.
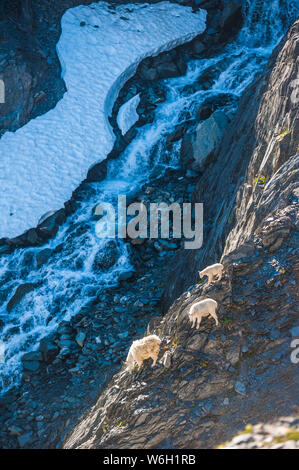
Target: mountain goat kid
<point x="142" y="349"/>
<point x="201" y="309"/>
<point x="212" y="271"/>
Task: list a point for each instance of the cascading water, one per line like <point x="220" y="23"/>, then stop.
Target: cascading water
<point x="266" y="21"/>
<point x="77" y="266"/>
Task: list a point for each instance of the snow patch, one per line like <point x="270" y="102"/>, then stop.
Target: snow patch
<point x="99" y="49"/>
<point x="127" y="114"/>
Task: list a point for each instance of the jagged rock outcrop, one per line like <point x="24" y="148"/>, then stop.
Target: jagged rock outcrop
<point x="216" y="379"/>
<point x="211" y="382"/>
<point x="201" y="144"/>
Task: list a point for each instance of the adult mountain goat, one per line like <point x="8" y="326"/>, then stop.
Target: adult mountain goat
<point x="215" y="270"/>
<point x="201" y="309"/>
<point x="142" y="349"/>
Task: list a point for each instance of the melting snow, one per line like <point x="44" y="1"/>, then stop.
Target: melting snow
<point x="99" y="50"/>
<point x="127" y="114"/>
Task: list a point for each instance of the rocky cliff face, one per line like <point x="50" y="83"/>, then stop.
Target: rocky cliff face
<point x="212" y="382"/>
<point x="237" y="187"/>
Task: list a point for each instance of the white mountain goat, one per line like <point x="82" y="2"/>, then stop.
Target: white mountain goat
<point x="201" y="309"/>
<point x="142" y="349"/>
<point x="212" y="271"/>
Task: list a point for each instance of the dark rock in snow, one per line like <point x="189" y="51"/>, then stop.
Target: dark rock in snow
<point x="49" y="224"/>
<point x="105" y="259"/>
<point x="98" y="172"/>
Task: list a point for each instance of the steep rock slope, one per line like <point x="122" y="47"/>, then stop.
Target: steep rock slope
<point x="262" y="137"/>
<point x="212" y="382"/>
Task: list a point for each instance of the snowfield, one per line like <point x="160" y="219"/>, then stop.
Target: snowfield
<point x="127" y="114"/>
<point x="99" y="50"/>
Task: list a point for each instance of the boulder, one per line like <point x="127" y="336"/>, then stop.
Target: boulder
<point x="204" y="141"/>
<point x="20" y="292"/>
<point x="43" y="256"/>
<point x="15" y="430"/>
<point x="48" y="349"/>
<point x="32" y="356"/>
<point x="106" y="257"/>
<point x="148" y="73"/>
<point x="166" y="65"/>
<point x="5" y="247"/>
<point x="171" y="69"/>
<point x="126" y="276"/>
<point x="25" y="439"/>
<point x="240" y="388"/>
<point x="31" y="366"/>
<point x="29" y="238"/>
<point x="80" y="338"/>
<point x="243" y="252"/>
<point x="198" y="47"/>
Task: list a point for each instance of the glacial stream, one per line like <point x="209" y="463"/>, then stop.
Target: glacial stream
<point x="70" y="276"/>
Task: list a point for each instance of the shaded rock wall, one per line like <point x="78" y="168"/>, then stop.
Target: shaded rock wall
<point x="29" y="65"/>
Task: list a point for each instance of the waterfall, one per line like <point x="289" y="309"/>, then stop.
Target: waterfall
<point x="263" y="24"/>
